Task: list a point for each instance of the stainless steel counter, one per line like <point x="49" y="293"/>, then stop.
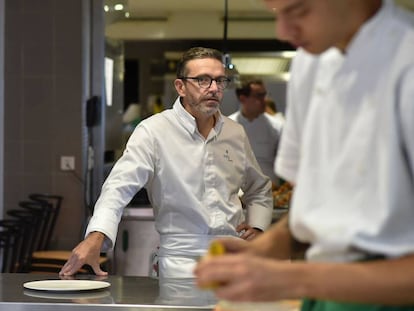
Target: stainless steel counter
<point x="125" y="293"/>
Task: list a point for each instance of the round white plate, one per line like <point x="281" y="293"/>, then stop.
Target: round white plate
<point x="66" y="285"/>
<point x="90" y="295"/>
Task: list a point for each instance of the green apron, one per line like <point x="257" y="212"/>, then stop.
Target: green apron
<point x="326" y="305"/>
<point x="323" y="305"/>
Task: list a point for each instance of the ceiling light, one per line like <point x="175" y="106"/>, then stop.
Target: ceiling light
<point x="230" y="70"/>
<point x="118" y="7"/>
<point x="106" y="8"/>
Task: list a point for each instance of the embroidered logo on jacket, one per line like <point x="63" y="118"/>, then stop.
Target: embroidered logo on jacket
<point x="227" y="156"/>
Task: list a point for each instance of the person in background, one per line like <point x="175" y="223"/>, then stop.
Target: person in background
<point x="192" y="161"/>
<point x="347" y="146"/>
<point x="261" y="128"/>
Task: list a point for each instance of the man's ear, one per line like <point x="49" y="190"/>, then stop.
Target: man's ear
<point x="179" y="86"/>
<point x="242" y="98"/>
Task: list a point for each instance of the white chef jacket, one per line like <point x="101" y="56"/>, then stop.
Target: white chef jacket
<point x="263" y="133"/>
<point x="348" y="144"/>
<point x="192" y="183"/>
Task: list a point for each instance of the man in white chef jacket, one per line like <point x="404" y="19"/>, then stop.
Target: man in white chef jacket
<point x="262" y="128"/>
<point x="348" y="146"/>
<point x="193" y="161"/>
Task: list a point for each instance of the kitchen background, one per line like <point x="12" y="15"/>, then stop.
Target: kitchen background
<point x="53" y="57"/>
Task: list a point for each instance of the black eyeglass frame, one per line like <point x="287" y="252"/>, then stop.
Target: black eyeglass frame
<point x="261" y="95"/>
<point x="221" y="82"/>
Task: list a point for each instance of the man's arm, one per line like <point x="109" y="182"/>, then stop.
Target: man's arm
<point x="257" y="192"/>
<point x="129" y="175"/>
<point x="278" y="242"/>
<point x="246" y="277"/>
<point x="388" y="281"/>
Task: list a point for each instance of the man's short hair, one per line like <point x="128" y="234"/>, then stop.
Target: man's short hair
<point x="245" y="87"/>
<point x="196" y="53"/>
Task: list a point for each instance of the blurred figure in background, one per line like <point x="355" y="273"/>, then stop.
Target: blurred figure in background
<point x="262" y="128"/>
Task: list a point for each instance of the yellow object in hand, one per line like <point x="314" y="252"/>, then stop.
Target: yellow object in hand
<point x="215" y="249"/>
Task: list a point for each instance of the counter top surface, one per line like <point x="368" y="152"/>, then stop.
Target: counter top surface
<point x="127" y="293"/>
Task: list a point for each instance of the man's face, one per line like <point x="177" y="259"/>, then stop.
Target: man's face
<point x="254" y="104"/>
<point x="198" y="100"/>
<point x="314" y="25"/>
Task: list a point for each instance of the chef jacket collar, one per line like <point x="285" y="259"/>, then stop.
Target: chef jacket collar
<point x="370" y="28"/>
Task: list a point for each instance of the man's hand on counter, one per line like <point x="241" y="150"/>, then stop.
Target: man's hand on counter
<point x="86" y="252"/>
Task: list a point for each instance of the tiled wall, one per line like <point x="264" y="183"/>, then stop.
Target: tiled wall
<point x="43" y="107"/>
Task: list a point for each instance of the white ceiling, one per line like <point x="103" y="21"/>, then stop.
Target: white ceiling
<point x="187" y="19"/>
<point x="142" y="7"/>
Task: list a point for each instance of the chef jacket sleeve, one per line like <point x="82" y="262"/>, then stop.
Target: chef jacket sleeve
<point x="130" y="173"/>
<point x="257" y="190"/>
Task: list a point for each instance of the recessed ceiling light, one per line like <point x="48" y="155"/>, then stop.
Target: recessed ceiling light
<point x="118" y="7"/>
<point x="106" y="8"/>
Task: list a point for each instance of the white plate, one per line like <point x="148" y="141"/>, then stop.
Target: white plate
<point x="90" y="295"/>
<point x="66" y="285"/>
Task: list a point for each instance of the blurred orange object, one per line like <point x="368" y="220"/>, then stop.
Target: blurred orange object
<point x="282" y="196"/>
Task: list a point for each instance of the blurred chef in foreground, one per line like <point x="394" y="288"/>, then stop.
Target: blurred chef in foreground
<point x="347" y="146"/>
<point x="193" y="161"/>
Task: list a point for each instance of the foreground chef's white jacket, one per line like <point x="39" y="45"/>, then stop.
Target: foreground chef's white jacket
<point x="348" y="144"/>
<point x="192" y="183"/>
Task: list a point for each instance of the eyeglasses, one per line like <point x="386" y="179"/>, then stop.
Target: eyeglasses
<point x="206" y="81"/>
<point x="258" y="95"/>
